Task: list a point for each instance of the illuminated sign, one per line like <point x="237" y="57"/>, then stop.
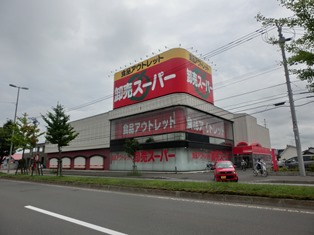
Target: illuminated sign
<point x="174" y="71"/>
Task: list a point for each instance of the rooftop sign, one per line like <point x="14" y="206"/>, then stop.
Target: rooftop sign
<point x="174" y="71"/>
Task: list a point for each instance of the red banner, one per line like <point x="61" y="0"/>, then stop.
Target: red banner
<point x="149" y="124"/>
<point x="205" y="124"/>
<point x="214" y="155"/>
<point x="176" y="75"/>
<point x="168" y="121"/>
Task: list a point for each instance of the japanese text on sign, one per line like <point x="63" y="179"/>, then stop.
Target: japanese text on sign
<point x="141" y="66"/>
<point x="205" y="127"/>
<point x="139" y="88"/>
<point x="197" y="81"/>
<point x="212" y="155"/>
<point x="199" y="63"/>
<point x="146" y="156"/>
<point x="147" y="126"/>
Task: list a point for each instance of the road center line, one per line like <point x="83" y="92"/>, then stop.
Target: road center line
<point x="75" y="221"/>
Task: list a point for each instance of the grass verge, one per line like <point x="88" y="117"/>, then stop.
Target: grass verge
<point x="273" y="191"/>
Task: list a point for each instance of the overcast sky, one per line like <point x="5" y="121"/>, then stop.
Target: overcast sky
<point x="67" y="51"/>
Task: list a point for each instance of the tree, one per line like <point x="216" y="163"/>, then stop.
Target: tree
<point x="5" y="136"/>
<point x="302" y="48"/>
<point x="131" y="146"/>
<point x="26" y="134"/>
<point x="59" y="131"/>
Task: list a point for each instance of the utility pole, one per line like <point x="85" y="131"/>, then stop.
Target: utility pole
<point x="282" y="41"/>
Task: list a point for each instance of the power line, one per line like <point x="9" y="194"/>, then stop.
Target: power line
<point x="219" y="50"/>
<point x="238" y="42"/>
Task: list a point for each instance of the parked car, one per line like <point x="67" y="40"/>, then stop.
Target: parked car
<point x="294" y="161"/>
<point x="281" y="163"/>
<point x="225" y="171"/>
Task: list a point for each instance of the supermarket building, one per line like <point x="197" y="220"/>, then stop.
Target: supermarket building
<point x="167" y="104"/>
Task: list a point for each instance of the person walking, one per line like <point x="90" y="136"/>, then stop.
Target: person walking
<point x="243" y="165"/>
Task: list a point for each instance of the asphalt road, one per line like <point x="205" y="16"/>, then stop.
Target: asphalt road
<point x="28" y="208"/>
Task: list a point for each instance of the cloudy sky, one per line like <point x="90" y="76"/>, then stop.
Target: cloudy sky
<point x="67" y="51"/>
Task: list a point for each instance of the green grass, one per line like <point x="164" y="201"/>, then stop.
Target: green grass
<point x="273" y="191"/>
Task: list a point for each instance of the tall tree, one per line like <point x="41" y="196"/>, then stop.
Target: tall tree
<point x="130" y="147"/>
<point x="5" y="136"/>
<point x="59" y="131"/>
<point x="301" y="48"/>
<point x="26" y="134"/>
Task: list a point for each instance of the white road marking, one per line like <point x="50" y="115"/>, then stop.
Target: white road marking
<point x="75" y="221"/>
<point x="252" y="206"/>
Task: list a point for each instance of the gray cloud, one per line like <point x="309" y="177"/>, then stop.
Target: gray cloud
<point x="65" y="50"/>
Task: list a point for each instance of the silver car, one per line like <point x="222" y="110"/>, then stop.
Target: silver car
<point x="293" y="162"/>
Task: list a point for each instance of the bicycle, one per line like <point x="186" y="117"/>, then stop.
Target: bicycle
<point x="209" y="167"/>
<point x="262" y="172"/>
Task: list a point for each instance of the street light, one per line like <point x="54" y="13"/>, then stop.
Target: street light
<point x="17" y="102"/>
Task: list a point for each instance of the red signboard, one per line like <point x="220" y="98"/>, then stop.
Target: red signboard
<point x="152" y="123"/>
<point x="214" y="155"/>
<point x="175" y="71"/>
<point x="178" y="119"/>
<point x="205" y="124"/>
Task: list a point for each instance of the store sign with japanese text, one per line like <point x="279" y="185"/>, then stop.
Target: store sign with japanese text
<point x="152" y="123"/>
<point x="167" y="121"/>
<point x="214" y="155"/>
<point x="146" y="156"/>
<point x="174" y="71"/>
<point x="205" y="124"/>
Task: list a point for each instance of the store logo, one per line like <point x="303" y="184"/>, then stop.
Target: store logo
<point x="197" y="78"/>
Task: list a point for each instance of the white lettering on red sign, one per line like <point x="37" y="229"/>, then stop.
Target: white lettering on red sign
<point x="205" y="127"/>
<point x="197" y="81"/>
<point x="149" y="125"/>
<point x="130" y="90"/>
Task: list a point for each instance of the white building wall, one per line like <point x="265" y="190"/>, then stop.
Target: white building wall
<point x="182" y="160"/>
<point x="290" y="151"/>
<point x="94" y="133"/>
<point x="240" y="128"/>
<point x="246" y="129"/>
<point x="168" y="101"/>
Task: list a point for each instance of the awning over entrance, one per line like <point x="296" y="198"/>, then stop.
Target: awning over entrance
<point x="254" y="149"/>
